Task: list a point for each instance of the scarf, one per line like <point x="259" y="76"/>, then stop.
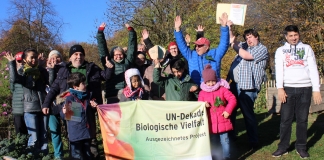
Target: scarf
<point x="133" y="95"/>
<point x="206" y="88"/>
<point x="79" y="94"/>
<point x="31" y="71"/>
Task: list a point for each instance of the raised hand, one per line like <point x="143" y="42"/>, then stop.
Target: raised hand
<point x="51" y="62"/>
<point x="127" y="25"/>
<point x="108" y="63"/>
<point x="187" y="38"/>
<point x="223" y="20"/>
<point x="41" y="59"/>
<point x="9" y="56"/>
<point x="177" y="23"/>
<point x="103" y="25"/>
<point x="156" y="63"/>
<point x="145" y="34"/>
<point x="200" y="28"/>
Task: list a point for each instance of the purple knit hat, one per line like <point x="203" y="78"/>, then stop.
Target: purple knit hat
<point x="209" y="74"/>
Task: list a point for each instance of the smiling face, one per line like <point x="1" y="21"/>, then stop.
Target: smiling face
<point x="112" y="125"/>
<point x="57" y="58"/>
<point x="173" y="50"/>
<point x="292" y="37"/>
<point x="201" y="49"/>
<point x="177" y="73"/>
<point x="77" y="59"/>
<point x="31" y="58"/>
<point x="210" y="83"/>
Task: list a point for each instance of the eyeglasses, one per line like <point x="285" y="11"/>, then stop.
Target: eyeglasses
<point x="199" y="46"/>
<point x="173" y="48"/>
<point x="118" y="55"/>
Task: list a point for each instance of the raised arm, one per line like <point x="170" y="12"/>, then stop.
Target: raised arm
<point x="132" y="43"/>
<point x="157" y="78"/>
<point x="147" y="41"/>
<point x="182" y="45"/>
<point x="224" y="37"/>
<point x="102" y="44"/>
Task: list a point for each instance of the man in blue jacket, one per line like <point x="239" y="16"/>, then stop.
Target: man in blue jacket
<point x="202" y="54"/>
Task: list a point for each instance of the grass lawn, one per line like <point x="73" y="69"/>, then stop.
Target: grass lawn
<point x="268" y="128"/>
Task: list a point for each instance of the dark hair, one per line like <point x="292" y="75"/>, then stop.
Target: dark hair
<point x="291" y="28"/>
<point x="251" y="32"/>
<point x="28" y="50"/>
<point x="75" y="79"/>
<point x="134" y="76"/>
<point x="177" y="64"/>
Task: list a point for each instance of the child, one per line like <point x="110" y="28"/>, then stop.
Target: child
<point x="33" y="78"/>
<point x="220" y="103"/>
<point x="79" y="115"/>
<point x="135" y="87"/>
<point x="178" y="86"/>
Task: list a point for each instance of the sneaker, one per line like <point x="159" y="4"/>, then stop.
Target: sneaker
<point x="302" y="153"/>
<point x="279" y="153"/>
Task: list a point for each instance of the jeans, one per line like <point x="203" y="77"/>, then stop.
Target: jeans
<point x="55" y="129"/>
<point x="245" y="101"/>
<point x="81" y="150"/>
<point x="20" y="125"/>
<point x="215" y="150"/>
<point x="298" y="101"/>
<point x="37" y="124"/>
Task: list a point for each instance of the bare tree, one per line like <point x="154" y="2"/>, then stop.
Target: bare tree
<point x="39" y="21"/>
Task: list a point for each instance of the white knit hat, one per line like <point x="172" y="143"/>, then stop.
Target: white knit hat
<point x="54" y="52"/>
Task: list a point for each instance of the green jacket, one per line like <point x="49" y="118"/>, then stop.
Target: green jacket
<point x="117" y="80"/>
<point x="175" y="89"/>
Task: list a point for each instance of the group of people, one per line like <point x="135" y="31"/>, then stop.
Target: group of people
<point x="183" y="74"/>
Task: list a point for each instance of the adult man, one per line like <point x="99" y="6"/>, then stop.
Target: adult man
<point x="203" y="55"/>
<point x="295" y="90"/>
<point x="77" y="64"/>
<point x="247" y="73"/>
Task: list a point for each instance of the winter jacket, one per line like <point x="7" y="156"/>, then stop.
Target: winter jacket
<point x="217" y="123"/>
<point x="212" y="56"/>
<point x="33" y="91"/>
<point x="94" y="76"/>
<point x="87" y="127"/>
<point x="296" y="67"/>
<point x="175" y="89"/>
<point x="128" y="74"/>
<point x="17" y="98"/>
<point x="117" y="78"/>
<point x="155" y="90"/>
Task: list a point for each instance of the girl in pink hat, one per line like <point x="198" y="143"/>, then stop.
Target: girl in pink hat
<point x="220" y="103"/>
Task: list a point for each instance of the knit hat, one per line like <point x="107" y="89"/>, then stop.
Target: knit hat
<point x="54" y="52"/>
<point x="18" y="56"/>
<point x="172" y="44"/>
<point x="76" y="48"/>
<point x="202" y="41"/>
<point x="209" y="74"/>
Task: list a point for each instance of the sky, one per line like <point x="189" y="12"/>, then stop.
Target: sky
<point x="81" y="17"/>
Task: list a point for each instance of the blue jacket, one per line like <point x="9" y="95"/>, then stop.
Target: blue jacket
<point x="197" y="63"/>
<point x="84" y="129"/>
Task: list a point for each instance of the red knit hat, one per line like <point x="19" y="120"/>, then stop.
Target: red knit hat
<point x="172" y="44"/>
<point x="209" y="74"/>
